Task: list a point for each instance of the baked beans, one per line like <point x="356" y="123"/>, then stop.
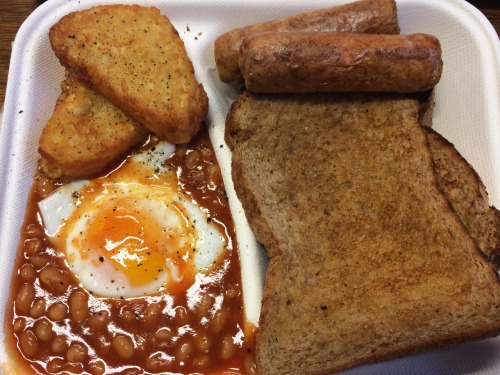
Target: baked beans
<point x="27" y="273"/>
<point x="43" y="330"/>
<point x="55" y="365"/>
<point x="28" y="343"/>
<point x="123" y="346"/>
<point x="61" y="328"/>
<point x="32" y="246"/>
<point x="152" y="315"/>
<point x="54" y="280"/>
<point x="78" y="306"/>
<point x="99" y="321"/>
<point x="59" y="345"/>
<point x="57" y="311"/>
<point x="24" y="299"/>
<point x="76" y="353"/>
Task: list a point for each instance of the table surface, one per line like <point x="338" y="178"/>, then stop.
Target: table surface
<point x="12" y="14"/>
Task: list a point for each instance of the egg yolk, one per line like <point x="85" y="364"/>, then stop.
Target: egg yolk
<point x="129" y="236"/>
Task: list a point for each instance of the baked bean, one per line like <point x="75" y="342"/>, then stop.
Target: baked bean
<point x="202" y="342"/>
<point x="33" y="246"/>
<point x="78" y="306"/>
<point x="227" y="347"/>
<point x="201" y="360"/>
<point x="76" y="353"/>
<point x="39" y="260"/>
<point x="232" y="291"/>
<point x="214" y="176"/>
<point x="57" y="311"/>
<point x="28" y="343"/>
<point x="27" y="273"/>
<point x="184" y="351"/>
<point x="250" y="365"/>
<point x="55" y="365"/>
<point x="206" y="303"/>
<point x="54" y="280"/>
<point x="152" y="314"/>
<point x="123" y="346"/>
<point x="127" y="316"/>
<point x="24" y="299"/>
<point x="38" y="308"/>
<point x="192" y="159"/>
<point x="72" y="368"/>
<point x="164" y="334"/>
<point x="19" y="324"/>
<point x="43" y="330"/>
<point x="99" y="321"/>
<point x="103" y="344"/>
<point x="158" y="362"/>
<point x="219" y="319"/>
<point x="181" y="316"/>
<point x="59" y="345"/>
<point x="205" y="151"/>
<point x="33" y="230"/>
<point x="97" y="367"/>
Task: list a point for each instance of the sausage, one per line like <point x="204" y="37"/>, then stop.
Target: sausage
<point x="366" y="16"/>
<point x="343" y="62"/>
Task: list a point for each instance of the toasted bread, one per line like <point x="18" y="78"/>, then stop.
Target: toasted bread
<point x="85" y="133"/>
<point x="368" y="260"/>
<point x="134" y="57"/>
<point x="466" y="192"/>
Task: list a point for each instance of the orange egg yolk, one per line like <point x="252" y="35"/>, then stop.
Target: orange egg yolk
<point x="132" y="239"/>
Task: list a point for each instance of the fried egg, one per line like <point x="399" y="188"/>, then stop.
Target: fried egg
<point x="132" y="233"/>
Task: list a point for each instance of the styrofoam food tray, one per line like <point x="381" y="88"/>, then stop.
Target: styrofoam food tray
<point x="467" y="113"/>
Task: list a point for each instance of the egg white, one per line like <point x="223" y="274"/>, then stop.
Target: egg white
<point x="184" y="240"/>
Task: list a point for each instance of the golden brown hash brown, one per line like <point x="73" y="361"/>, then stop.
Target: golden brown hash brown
<point x="134" y="56"/>
<point x="85" y="133"/>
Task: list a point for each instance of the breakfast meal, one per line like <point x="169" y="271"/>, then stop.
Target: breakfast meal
<point x="128" y="261"/>
<point x="135" y="57"/>
<point x="365" y="16"/>
<point x="339" y="62"/>
<point x="380" y="235"/>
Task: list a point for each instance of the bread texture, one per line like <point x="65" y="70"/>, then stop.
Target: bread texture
<point x="368" y="259"/>
<point x="467" y="194"/>
<point x="85" y="133"/>
<point x="134" y="57"/>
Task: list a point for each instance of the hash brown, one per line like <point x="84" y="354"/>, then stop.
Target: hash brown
<point x="134" y="56"/>
<point x="85" y="133"/>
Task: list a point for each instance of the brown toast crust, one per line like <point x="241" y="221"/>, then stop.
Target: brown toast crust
<point x="466" y="192"/>
<point x="134" y="56"/>
<point x="368" y="260"/>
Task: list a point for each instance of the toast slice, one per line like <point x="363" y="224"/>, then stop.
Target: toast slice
<point x="467" y="194"/>
<point x="134" y="56"/>
<point x="368" y="260"/>
<point x="85" y="133"/>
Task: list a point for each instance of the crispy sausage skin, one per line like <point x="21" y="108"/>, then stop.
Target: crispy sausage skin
<point x="365" y="16"/>
<point x="328" y="62"/>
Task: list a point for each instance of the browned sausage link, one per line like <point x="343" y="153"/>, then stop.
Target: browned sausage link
<point x="343" y="62"/>
<point x="366" y="16"/>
